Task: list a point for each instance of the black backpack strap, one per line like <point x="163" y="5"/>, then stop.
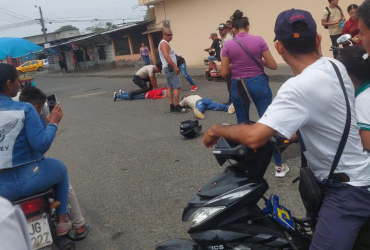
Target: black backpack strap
<point x="304" y="163"/>
<point x="249" y="54"/>
<point x="329" y="13"/>
<point x="344" y="138"/>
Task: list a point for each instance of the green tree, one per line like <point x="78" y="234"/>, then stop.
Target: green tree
<point x="66" y="27"/>
<point x="101" y="27"/>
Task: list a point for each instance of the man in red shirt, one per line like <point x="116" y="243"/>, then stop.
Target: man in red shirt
<point x="153" y="94"/>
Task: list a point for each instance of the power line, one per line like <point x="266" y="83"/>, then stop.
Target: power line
<point x="16" y="13"/>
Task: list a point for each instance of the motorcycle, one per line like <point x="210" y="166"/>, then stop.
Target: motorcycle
<point x="212" y="71"/>
<point x="41" y="219"/>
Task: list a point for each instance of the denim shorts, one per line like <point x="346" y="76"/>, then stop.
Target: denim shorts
<point x="173" y="79"/>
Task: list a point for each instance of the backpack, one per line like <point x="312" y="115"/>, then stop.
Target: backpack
<point x="329" y="13"/>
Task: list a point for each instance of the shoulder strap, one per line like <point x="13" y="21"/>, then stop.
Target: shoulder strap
<point x="329" y="13"/>
<point x="340" y="9"/>
<point x="343" y="141"/>
<point x="249" y="54"/>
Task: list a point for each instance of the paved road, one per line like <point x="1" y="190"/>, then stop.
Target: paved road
<point x="132" y="171"/>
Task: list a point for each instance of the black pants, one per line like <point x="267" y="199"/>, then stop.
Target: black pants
<point x="228" y="82"/>
<point x="334" y="43"/>
<point x="141" y="82"/>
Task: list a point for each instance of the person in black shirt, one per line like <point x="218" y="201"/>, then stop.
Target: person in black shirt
<point x="182" y="66"/>
<point x="216" y="45"/>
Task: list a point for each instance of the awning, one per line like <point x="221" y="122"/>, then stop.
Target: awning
<point x="153" y="30"/>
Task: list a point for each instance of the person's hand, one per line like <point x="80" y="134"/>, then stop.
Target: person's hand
<point x="209" y="139"/>
<point x="355" y="39"/>
<point x="177" y="70"/>
<point x="56" y="115"/>
<point x="337" y="22"/>
<point x="140" y="59"/>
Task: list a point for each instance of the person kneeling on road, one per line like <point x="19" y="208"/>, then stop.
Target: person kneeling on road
<point x="153" y="94"/>
<point x="200" y="105"/>
<point x="144" y="75"/>
<point x="37" y="98"/>
<point x="24" y="171"/>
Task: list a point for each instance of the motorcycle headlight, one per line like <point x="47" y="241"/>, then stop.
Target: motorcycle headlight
<point x="202" y="214"/>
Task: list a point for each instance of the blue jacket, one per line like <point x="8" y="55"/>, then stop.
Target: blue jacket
<point x="23" y="139"/>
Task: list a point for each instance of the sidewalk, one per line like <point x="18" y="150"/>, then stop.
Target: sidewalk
<point x="282" y="73"/>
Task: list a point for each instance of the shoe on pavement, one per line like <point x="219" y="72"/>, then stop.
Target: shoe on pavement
<point x="120" y="92"/>
<point x="172" y="108"/>
<point x="193" y="88"/>
<point x="231" y="109"/>
<point x="179" y="109"/>
<point x="115" y="96"/>
<point x="198" y="114"/>
<point x="281" y="171"/>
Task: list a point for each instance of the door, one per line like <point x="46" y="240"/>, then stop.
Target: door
<point x="34" y="65"/>
<point x="26" y="66"/>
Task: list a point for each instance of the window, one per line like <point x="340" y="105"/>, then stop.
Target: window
<point x="137" y="39"/>
<point x="34" y="62"/>
<point x="122" y="46"/>
<point x="101" y="52"/>
<point x="26" y="64"/>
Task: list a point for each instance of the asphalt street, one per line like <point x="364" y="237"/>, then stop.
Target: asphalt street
<point x="131" y="169"/>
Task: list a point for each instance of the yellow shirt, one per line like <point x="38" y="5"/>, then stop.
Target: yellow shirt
<point x="335" y="15"/>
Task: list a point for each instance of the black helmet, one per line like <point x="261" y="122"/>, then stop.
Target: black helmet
<point x="190" y="129"/>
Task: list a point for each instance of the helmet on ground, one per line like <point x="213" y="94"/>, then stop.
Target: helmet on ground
<point x="190" y="129"/>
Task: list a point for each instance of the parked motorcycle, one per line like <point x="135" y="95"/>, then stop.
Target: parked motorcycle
<point x="212" y="71"/>
<point x="41" y="219"/>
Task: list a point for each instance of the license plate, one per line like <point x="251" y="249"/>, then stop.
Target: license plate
<point x="39" y="231"/>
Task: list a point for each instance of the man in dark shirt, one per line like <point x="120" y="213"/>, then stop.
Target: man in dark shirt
<point x="216" y="45"/>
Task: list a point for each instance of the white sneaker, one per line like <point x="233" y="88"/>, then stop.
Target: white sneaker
<point x="281" y="171"/>
<point x="198" y="114"/>
<point x="231" y="109"/>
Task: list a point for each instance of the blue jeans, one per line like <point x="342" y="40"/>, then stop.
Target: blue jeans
<point x="185" y="74"/>
<point x="213" y="58"/>
<point x="36" y="177"/>
<point x="124" y="96"/>
<point x="260" y="92"/>
<point x="207" y="104"/>
<point x="146" y="59"/>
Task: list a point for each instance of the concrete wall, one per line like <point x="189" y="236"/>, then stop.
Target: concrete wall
<point x="193" y="20"/>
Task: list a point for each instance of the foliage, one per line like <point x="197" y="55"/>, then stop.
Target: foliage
<point x="66" y="27"/>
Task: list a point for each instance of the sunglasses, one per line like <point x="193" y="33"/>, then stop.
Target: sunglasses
<point x="168" y="34"/>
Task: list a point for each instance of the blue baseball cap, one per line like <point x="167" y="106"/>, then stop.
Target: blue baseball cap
<point x="284" y="25"/>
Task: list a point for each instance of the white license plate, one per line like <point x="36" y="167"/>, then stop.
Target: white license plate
<point x="39" y="231"/>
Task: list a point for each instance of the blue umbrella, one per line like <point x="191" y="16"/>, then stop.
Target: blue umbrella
<point x="16" y="47"/>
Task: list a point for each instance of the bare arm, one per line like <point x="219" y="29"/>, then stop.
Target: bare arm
<point x="225" y="71"/>
<point x="141" y="51"/>
<point x="268" y="60"/>
<point x="365" y="139"/>
<point x="253" y="136"/>
<point x="153" y="82"/>
<point x="207" y="49"/>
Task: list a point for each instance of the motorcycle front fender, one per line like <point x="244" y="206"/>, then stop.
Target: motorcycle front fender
<point x="178" y="244"/>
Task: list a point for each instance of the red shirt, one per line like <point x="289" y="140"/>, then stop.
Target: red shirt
<point x="351" y="27"/>
<point x="155" y="94"/>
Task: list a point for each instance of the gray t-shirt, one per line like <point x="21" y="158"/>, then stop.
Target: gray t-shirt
<point x="146" y="71"/>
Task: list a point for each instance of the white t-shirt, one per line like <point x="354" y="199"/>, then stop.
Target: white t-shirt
<point x="14" y="233"/>
<point x="313" y="102"/>
<point x="190" y="101"/>
<point x="363" y="106"/>
<point x="146" y="71"/>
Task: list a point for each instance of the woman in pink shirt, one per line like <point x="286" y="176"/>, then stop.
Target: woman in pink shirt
<point x="250" y="71"/>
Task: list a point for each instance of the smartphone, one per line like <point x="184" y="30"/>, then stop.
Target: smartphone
<point x="52" y="101"/>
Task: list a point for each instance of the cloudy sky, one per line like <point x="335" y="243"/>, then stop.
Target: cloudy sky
<point x="17" y="16"/>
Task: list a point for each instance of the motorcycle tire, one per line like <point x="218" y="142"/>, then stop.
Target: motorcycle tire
<point x="209" y="77"/>
<point x="66" y="244"/>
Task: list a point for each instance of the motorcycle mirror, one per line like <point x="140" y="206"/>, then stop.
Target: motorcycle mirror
<point x="346" y="38"/>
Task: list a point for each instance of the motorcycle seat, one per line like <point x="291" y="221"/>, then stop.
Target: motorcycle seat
<point x="48" y="192"/>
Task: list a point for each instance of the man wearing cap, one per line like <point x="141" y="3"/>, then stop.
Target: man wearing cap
<point x="216" y="45"/>
<point x="225" y="36"/>
<point x="313" y="102"/>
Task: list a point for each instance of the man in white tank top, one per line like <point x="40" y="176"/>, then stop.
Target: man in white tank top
<point x="170" y="69"/>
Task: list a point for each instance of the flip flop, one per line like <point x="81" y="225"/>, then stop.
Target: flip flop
<point x="63" y="228"/>
<point x="83" y="235"/>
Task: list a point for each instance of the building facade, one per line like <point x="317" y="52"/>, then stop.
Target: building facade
<point x="192" y="21"/>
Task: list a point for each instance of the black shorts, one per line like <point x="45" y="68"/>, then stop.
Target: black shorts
<point x="141" y="82"/>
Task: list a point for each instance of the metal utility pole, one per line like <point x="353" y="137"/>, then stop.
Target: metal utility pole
<point x="42" y="22"/>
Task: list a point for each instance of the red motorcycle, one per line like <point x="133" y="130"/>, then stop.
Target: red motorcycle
<point x="212" y="71"/>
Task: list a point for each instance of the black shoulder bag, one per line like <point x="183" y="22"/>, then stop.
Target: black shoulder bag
<point x="329" y="13"/>
<point x="311" y="193"/>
